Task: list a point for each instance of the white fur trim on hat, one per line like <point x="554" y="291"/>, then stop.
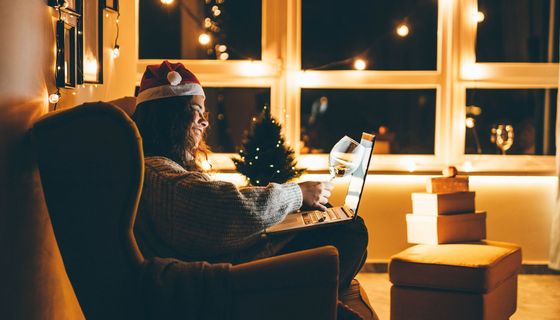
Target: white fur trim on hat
<point x="187" y="89"/>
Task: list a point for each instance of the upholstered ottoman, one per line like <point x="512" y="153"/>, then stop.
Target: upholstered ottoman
<point x="455" y="281"/>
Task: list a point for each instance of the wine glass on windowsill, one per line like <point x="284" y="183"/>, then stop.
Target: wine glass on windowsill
<point x="503" y="137"/>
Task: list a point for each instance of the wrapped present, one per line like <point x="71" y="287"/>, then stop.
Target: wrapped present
<point x="448" y="184"/>
<point x="426" y="229"/>
<point x="443" y="203"/>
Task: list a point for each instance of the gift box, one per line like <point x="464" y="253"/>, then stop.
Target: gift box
<point x="447" y="184"/>
<point x="437" y="229"/>
<point x="443" y="203"/>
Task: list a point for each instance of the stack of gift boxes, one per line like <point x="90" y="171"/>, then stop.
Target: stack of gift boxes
<point x="446" y="212"/>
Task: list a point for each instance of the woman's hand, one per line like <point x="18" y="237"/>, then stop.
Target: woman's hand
<point x="315" y="194"/>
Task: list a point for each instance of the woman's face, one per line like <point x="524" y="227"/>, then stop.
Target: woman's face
<point x="200" y="119"/>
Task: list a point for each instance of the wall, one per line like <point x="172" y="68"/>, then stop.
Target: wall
<point x="33" y="281"/>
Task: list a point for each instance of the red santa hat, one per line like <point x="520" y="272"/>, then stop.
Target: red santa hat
<point x="167" y="80"/>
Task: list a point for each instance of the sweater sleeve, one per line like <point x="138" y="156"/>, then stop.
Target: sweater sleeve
<point x="216" y="215"/>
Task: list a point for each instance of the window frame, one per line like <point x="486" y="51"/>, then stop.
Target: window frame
<point x="280" y="69"/>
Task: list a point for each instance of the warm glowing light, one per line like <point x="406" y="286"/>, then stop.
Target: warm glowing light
<point x="90" y="68"/>
<point x="471" y="71"/>
<point x="470" y="122"/>
<point x="222" y="48"/>
<point x="403" y="30"/>
<point x="206" y="165"/>
<point x="217" y="13"/>
<point x="224" y="56"/>
<point x="207" y="23"/>
<point x="478" y="16"/>
<point x="253" y="69"/>
<point x="467" y="166"/>
<point x="167" y="2"/>
<point x="53" y="98"/>
<point x="474" y="110"/>
<point x="204" y="39"/>
<point x="359" y="64"/>
<point x="116" y="51"/>
<point x="382" y="130"/>
<point x="410" y="166"/>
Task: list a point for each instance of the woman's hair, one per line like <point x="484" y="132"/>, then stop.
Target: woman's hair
<point x="164" y="125"/>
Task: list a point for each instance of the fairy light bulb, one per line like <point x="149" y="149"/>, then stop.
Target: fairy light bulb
<point x="478" y="16"/>
<point x="224" y="56"/>
<point x="207" y="23"/>
<point x="116" y="51"/>
<point x="359" y="64"/>
<point x="204" y="39"/>
<point x="167" y="2"/>
<point x="53" y="98"/>
<point x="470" y="122"/>
<point x="222" y="48"/>
<point x="403" y="30"/>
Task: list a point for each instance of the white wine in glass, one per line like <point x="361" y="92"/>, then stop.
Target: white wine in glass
<point x="345" y="157"/>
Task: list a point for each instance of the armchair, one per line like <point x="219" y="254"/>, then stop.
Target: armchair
<point x="91" y="167"/>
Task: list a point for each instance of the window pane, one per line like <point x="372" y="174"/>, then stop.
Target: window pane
<point x="517" y="31"/>
<point x="172" y="31"/>
<point x="231" y="111"/>
<point x="530" y="113"/>
<point x="404" y="120"/>
<point x="333" y="35"/>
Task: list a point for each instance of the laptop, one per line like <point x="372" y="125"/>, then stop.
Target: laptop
<point x="345" y="213"/>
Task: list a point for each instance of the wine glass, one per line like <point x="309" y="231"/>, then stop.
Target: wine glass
<point x="345" y="157"/>
<point x="504" y="137"/>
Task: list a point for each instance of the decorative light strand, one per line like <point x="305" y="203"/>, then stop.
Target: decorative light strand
<point x="116" y="47"/>
<point x="55" y="97"/>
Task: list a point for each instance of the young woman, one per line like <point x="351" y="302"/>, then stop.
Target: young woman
<point x="187" y="215"/>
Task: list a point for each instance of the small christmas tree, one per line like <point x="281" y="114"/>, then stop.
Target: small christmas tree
<point x="264" y="157"/>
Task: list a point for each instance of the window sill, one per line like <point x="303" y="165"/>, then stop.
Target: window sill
<point x="482" y="165"/>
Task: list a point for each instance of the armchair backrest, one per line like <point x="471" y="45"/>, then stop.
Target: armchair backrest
<point x="91" y="165"/>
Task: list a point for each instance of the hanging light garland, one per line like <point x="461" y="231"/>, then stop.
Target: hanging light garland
<point x="213" y="38"/>
<point x="116" y="48"/>
<point x="211" y="34"/>
<point x="55" y="97"/>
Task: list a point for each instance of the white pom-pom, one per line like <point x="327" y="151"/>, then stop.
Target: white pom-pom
<point x="174" y="78"/>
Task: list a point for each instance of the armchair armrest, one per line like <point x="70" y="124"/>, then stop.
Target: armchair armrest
<point x="300" y="285"/>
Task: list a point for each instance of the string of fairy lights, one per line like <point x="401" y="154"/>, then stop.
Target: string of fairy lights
<point x="211" y="29"/>
<point x="55" y="97"/>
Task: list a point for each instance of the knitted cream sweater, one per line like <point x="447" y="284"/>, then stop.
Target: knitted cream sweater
<point x="198" y="216"/>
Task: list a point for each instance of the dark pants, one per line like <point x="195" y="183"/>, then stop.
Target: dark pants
<point x="350" y="239"/>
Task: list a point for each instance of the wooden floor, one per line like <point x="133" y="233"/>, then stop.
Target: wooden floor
<point x="538" y="296"/>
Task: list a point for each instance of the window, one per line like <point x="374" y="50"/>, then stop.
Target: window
<point x="428" y="65"/>
<point x="517" y="31"/>
<point x="387" y="35"/>
<point x="197" y="29"/>
<point x="403" y="120"/>
<point x="231" y="111"/>
<point x="527" y="117"/>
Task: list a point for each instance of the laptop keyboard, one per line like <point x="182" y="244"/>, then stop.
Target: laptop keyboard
<point x="318" y="216"/>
